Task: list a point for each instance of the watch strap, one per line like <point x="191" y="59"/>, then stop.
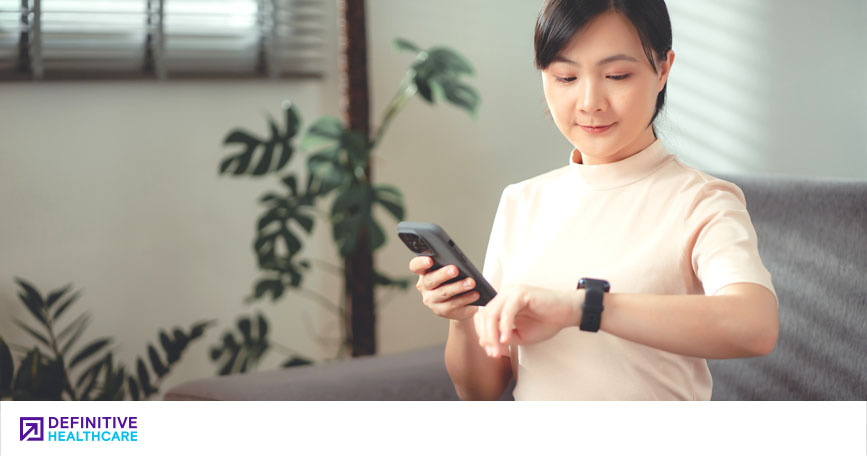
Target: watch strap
<point x="591" y="310"/>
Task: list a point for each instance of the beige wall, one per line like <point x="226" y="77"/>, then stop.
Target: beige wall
<point x="113" y="186"/>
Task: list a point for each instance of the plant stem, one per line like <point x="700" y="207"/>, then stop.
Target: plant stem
<point x="331" y="267"/>
<point x="406" y="91"/>
<point x="49" y="322"/>
<point x="322" y="300"/>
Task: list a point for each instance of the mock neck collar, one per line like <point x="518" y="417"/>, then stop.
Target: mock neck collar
<point x="619" y="173"/>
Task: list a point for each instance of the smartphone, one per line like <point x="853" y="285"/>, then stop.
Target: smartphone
<point x="429" y="239"/>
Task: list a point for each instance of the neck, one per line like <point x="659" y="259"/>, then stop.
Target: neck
<point x="640" y="143"/>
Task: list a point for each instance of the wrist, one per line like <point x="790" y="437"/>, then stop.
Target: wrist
<point x="576" y="303"/>
<point x="592" y="307"/>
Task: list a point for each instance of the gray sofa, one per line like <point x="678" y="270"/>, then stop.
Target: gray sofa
<point x="813" y="239"/>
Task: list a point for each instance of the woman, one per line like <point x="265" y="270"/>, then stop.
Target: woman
<point x="676" y="246"/>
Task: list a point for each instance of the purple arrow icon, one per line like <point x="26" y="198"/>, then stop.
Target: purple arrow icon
<point x="31" y="428"/>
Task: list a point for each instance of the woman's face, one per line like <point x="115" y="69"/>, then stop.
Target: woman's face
<point x="602" y="79"/>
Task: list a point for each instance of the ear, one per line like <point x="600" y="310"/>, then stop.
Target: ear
<point x="665" y="70"/>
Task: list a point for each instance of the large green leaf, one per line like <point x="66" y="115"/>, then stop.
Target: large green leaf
<point x="327" y="171"/>
<point x="276" y="150"/>
<point x="240" y="160"/>
<point x="60" y="309"/>
<point x="278" y="238"/>
<point x="89" y="351"/>
<point x="350" y="213"/>
<point x="327" y="130"/>
<point x="436" y="74"/>
<point x="33" y="332"/>
<point x="89" y="379"/>
<point x="181" y="338"/>
<point x="423" y="85"/>
<point x="144" y="378"/>
<point x="32" y="300"/>
<point x="78" y="326"/>
<point x="81" y="321"/>
<point x="133" y="388"/>
<point x="445" y="60"/>
<point x="38" y="378"/>
<point x="272" y="286"/>
<point x="391" y="199"/>
<point x="337" y="154"/>
<point x="232" y="356"/>
<point x="375" y="235"/>
<point x="461" y="95"/>
<point x="402" y="44"/>
<point x="91" y="383"/>
<point x="171" y="350"/>
<point x="91" y="372"/>
<point x="357" y="150"/>
<point x="112" y="385"/>
<point x="198" y="329"/>
<point x="292" y="117"/>
<point x="157" y="364"/>
<point x="173" y="345"/>
<point x="55" y="295"/>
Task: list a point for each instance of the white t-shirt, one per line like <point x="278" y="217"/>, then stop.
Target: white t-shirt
<point x="647" y="224"/>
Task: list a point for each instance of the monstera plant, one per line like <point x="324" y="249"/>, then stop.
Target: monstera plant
<point x="57" y="367"/>
<point x="337" y="165"/>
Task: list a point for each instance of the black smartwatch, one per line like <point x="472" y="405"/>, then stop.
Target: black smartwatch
<point x="591" y="311"/>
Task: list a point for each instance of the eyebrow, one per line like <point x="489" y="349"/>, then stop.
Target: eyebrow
<point x="610" y="59"/>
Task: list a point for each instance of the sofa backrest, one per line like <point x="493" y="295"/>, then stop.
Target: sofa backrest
<point x="813" y="239"/>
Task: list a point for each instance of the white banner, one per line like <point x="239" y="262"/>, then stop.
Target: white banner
<point x="441" y="428"/>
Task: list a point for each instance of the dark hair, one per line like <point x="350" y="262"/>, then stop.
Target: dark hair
<point x="559" y="20"/>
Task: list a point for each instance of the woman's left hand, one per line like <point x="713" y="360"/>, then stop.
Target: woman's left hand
<point x="526" y="315"/>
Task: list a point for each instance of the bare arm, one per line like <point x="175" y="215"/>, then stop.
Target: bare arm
<point x="475" y="375"/>
<point x="741" y="320"/>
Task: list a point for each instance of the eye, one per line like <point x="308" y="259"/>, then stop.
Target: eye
<point x="619" y="77"/>
<point x="565" y="80"/>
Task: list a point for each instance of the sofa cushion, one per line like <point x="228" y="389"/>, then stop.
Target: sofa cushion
<point x="415" y="375"/>
<point x="813" y="239"/>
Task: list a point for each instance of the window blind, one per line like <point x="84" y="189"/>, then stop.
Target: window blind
<point x="57" y="39"/>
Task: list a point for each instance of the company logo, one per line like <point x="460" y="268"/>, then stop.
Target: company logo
<point x="79" y="428"/>
<point x="32" y="428"/>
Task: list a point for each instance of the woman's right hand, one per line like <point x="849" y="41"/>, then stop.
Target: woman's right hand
<point x="445" y="300"/>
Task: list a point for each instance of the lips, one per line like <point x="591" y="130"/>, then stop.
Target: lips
<point x="597" y="129"/>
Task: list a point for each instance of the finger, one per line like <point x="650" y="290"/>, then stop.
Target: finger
<point x="492" y="331"/>
<point x="492" y="320"/>
<point x="436" y="278"/>
<point x="477" y="323"/>
<point x="507" y="322"/>
<point x="454" y="289"/>
<point x="420" y="264"/>
<point x="457" y="304"/>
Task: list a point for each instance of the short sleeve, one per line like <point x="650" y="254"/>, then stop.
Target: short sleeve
<point x="721" y="241"/>
<point x="493" y="267"/>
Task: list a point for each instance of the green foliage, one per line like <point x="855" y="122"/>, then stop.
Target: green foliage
<point x="142" y="385"/>
<point x="275" y="151"/>
<point x="45" y="374"/>
<point x="436" y="74"/>
<point x="241" y="351"/>
<point x="337" y="162"/>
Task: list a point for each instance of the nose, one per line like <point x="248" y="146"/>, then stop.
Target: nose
<point x="592" y="96"/>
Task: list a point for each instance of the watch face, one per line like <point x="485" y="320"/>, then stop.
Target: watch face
<point x="584" y="282"/>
